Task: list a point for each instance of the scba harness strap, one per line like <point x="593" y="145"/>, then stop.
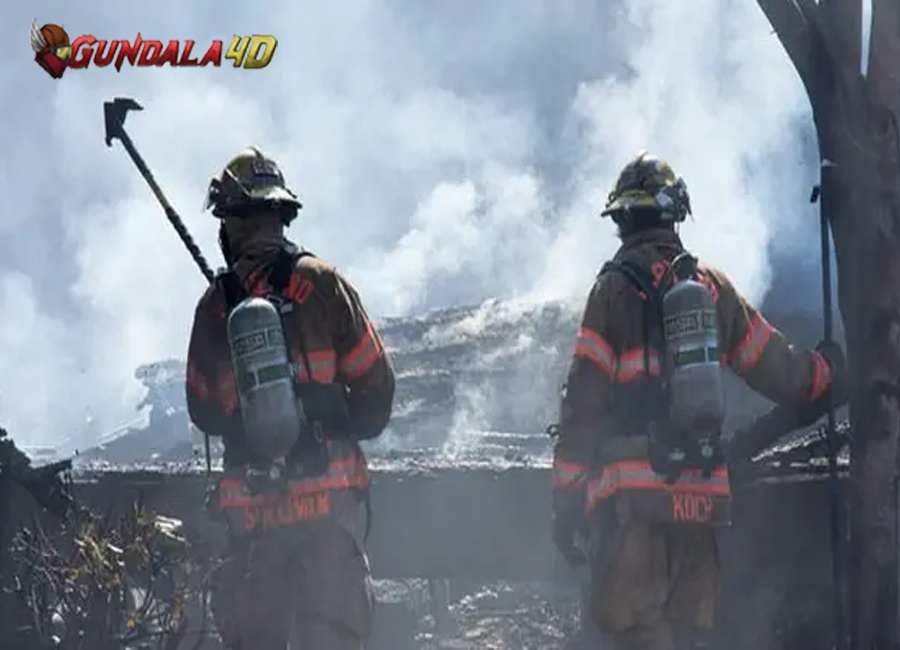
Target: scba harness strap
<point x="669" y="453"/>
<point x="279" y="276"/>
<point x="229" y="283"/>
<point x="641" y="280"/>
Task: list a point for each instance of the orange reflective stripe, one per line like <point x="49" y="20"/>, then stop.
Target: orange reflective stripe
<point x="568" y="475"/>
<point x="746" y="355"/>
<point x="363" y="356"/>
<point x="257" y="283"/>
<point x="658" y="270"/>
<point x="591" y="345"/>
<point x="196" y="382"/>
<point x="631" y="365"/>
<point x="298" y="289"/>
<point x="343" y="474"/>
<point x="298" y="488"/>
<point x="639" y="475"/>
<point x="821" y="376"/>
<point x="323" y="364"/>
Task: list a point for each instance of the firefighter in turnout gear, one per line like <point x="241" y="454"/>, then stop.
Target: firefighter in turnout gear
<point x="638" y="470"/>
<point x="286" y="368"/>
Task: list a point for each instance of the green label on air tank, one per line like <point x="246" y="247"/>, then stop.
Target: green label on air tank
<point x="697" y="355"/>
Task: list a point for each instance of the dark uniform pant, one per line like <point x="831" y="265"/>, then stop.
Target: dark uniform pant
<point x="653" y="585"/>
<point x="307" y="592"/>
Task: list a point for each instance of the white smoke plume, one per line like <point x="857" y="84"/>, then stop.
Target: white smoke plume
<point x="445" y="153"/>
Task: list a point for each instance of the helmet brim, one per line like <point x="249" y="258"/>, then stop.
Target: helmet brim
<point x="626" y="202"/>
<point x="273" y="194"/>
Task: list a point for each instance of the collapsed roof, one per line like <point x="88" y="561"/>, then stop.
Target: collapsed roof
<point x="470" y="380"/>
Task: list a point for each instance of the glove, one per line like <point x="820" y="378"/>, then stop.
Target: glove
<point x="566" y="523"/>
<point x="837" y="392"/>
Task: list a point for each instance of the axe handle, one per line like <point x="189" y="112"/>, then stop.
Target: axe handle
<point x="171" y="215"/>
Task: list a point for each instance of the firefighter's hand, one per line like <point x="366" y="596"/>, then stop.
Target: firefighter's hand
<point x="838" y="392"/>
<point x="565" y="526"/>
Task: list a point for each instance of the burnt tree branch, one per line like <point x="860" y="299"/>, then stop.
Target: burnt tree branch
<point x="793" y="22"/>
<point x="884" y="55"/>
<point x="856" y="119"/>
<point x="107" y="582"/>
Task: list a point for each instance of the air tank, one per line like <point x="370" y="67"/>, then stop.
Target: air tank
<point x="694" y="373"/>
<point x="264" y="377"/>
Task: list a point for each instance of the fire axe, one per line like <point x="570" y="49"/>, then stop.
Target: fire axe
<point x="114" y="113"/>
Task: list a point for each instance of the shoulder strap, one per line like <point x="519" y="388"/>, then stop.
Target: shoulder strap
<point x="641" y="280"/>
<point x="229" y="285"/>
<point x="638" y="276"/>
<point x="228" y="282"/>
<point x="279" y="277"/>
<point x="283" y="267"/>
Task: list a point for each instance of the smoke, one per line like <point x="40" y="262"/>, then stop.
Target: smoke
<point x="445" y="153"/>
<point x="711" y="91"/>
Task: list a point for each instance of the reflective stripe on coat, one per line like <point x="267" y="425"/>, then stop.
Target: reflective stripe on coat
<point x="302" y="499"/>
<point x="640" y="494"/>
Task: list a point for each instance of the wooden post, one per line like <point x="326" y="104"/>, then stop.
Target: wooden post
<point x="856" y="121"/>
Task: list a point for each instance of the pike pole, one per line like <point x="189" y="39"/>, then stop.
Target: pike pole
<point x="837" y="573"/>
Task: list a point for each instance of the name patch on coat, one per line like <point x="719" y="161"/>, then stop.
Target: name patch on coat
<point x="689" y="507"/>
<point x="286" y="510"/>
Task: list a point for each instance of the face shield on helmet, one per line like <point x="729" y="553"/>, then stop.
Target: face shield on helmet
<point x="250" y="180"/>
<point x="648" y="185"/>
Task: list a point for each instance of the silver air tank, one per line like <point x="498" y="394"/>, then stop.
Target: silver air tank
<point x="693" y="369"/>
<point x="264" y="378"/>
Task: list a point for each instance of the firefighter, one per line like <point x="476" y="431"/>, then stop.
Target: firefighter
<point x="639" y="476"/>
<point x="313" y="379"/>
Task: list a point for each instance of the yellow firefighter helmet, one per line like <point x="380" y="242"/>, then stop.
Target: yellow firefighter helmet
<point x="647" y="183"/>
<point x="250" y="179"/>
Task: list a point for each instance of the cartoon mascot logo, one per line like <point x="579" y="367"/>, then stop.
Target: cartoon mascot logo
<point x="52" y="49"/>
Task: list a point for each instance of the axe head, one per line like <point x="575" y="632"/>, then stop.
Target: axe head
<point x="114" y="113"/>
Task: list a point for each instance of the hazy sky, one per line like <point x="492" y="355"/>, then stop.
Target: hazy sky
<point x="445" y="152"/>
